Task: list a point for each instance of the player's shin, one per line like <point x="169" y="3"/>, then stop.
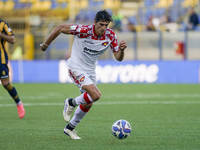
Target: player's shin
<point x="80" y="112"/>
<point x="12" y="91"/>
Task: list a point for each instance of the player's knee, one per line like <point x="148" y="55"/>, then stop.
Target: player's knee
<point x="5" y="82"/>
<point x="97" y="96"/>
<point x="8" y="86"/>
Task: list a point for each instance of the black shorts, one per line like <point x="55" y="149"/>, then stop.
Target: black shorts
<point x="4" y="71"/>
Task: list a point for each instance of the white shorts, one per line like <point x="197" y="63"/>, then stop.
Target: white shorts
<point x="81" y="78"/>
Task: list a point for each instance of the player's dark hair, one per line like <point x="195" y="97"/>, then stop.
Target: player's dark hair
<point x="103" y="15"/>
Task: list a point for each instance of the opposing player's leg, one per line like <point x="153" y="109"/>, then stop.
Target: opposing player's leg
<point x="13" y="93"/>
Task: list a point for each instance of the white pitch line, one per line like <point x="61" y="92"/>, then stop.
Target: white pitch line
<point x="111" y="103"/>
<point x="115" y="96"/>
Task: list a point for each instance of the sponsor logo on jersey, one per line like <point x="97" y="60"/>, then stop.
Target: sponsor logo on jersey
<point x="88" y="42"/>
<point x="91" y="52"/>
<point x="4" y="77"/>
<point x="105" y="43"/>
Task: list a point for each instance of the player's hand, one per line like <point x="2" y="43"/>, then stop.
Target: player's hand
<point x="122" y="45"/>
<point x="43" y="46"/>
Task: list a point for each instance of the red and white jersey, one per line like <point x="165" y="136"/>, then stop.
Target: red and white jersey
<point x="88" y="47"/>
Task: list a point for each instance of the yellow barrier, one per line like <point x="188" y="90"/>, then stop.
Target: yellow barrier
<point x="28" y="46"/>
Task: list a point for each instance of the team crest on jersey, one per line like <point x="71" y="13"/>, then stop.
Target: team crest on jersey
<point x="4" y="75"/>
<point x="105" y="43"/>
<point x="82" y="79"/>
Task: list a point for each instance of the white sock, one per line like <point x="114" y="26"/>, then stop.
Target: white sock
<point x="83" y="99"/>
<point x="19" y="103"/>
<point x="79" y="113"/>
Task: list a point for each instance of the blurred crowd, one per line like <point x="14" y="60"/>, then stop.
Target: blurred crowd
<point x="164" y="23"/>
<point x="154" y="23"/>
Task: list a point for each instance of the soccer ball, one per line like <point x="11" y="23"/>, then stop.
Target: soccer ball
<point x="121" y="129"/>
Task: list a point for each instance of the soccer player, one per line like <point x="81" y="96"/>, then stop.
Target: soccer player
<point x="90" y="42"/>
<point x="6" y="35"/>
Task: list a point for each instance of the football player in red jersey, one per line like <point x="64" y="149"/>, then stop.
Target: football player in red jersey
<point x="90" y="42"/>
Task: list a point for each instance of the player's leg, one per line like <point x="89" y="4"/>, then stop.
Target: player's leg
<point x="87" y="85"/>
<point x="92" y="91"/>
<point x="4" y="76"/>
<point x="82" y="109"/>
<point x="79" y="114"/>
<point x="83" y="99"/>
<point x="13" y="93"/>
<point x="90" y="94"/>
<point x="11" y="90"/>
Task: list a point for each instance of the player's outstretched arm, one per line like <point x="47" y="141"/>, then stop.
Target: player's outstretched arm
<point x="59" y="29"/>
<point x="119" y="55"/>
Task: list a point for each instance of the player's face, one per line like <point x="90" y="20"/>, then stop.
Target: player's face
<point x="100" y="27"/>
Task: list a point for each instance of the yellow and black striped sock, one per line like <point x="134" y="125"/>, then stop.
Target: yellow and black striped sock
<point x="13" y="93"/>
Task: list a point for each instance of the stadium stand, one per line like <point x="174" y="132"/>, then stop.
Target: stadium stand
<point x="9" y="5"/>
<point x="190" y="3"/>
<point x="1" y="5"/>
<point x="176" y="10"/>
<point x="164" y="3"/>
<point x="135" y="11"/>
<point x="46" y="5"/>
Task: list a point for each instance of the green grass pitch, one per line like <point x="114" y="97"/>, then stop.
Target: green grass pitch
<point x="162" y="116"/>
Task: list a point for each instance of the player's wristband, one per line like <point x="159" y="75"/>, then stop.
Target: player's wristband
<point x="121" y="49"/>
<point x="46" y="44"/>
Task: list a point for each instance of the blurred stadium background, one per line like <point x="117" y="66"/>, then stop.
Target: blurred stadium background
<point x="161" y="68"/>
<point x="33" y="20"/>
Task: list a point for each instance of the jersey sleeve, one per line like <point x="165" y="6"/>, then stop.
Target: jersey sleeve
<point x="114" y="44"/>
<point x="7" y="30"/>
<point x="79" y="29"/>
